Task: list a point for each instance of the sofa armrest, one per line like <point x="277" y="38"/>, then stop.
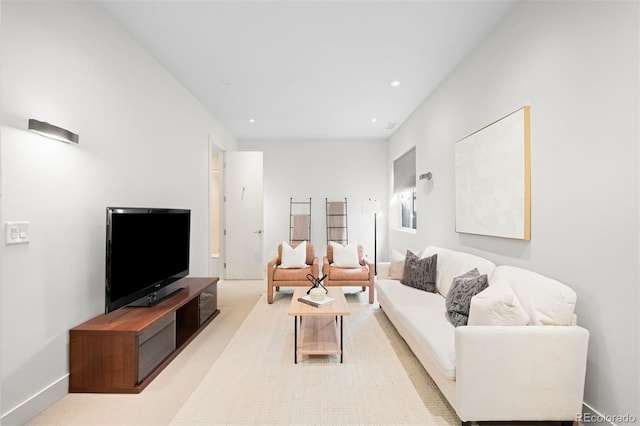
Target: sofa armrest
<point x="520" y="372"/>
<point x="315" y="267"/>
<point x="270" y="268"/>
<point x="325" y="265"/>
<point x="370" y="267"/>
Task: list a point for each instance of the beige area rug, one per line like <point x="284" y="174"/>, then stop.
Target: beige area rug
<point x="255" y="381"/>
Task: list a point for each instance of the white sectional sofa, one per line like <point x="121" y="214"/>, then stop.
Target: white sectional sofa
<point x="494" y="372"/>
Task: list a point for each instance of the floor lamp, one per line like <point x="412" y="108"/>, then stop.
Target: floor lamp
<point x="373" y="206"/>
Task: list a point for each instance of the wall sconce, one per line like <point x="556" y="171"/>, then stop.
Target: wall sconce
<point x="426" y="176"/>
<point x="53" y="132"/>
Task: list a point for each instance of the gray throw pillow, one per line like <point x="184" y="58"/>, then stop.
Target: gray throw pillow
<point x="420" y="273"/>
<point x="463" y="288"/>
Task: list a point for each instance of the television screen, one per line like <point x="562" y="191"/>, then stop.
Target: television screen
<point x="147" y="250"/>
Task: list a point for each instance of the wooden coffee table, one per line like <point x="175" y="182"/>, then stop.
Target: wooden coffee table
<point x="319" y="334"/>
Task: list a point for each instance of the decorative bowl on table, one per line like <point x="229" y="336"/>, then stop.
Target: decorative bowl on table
<point x="317" y="294"/>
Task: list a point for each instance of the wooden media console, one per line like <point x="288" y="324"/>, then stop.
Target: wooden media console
<point x="124" y="350"/>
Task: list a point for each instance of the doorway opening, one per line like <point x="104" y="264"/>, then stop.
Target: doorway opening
<point x="216" y="264"/>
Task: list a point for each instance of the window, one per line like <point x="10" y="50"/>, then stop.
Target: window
<point x="404" y="186"/>
<point x="408" y="202"/>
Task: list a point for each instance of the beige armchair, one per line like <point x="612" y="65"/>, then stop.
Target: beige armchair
<point x="362" y="276"/>
<point x="280" y="277"/>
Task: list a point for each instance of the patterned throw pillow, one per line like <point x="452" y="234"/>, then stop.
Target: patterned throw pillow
<point x="420" y="273"/>
<point x="463" y="288"/>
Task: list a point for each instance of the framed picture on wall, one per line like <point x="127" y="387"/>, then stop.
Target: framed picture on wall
<point x="493" y="178"/>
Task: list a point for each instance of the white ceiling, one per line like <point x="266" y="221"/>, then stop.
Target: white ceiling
<point x="310" y="69"/>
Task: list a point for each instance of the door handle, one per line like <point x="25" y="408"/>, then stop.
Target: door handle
<point x="259" y="231"/>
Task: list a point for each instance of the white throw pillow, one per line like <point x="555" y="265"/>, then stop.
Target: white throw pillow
<point x="497" y="305"/>
<point x="294" y="258"/>
<point x="546" y="301"/>
<point x="345" y="257"/>
<point x="396" y="266"/>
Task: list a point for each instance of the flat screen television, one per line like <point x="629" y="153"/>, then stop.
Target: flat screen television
<point x="147" y="250"/>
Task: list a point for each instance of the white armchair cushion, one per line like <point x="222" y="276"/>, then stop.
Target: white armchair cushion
<point x="345" y="256"/>
<point x="294" y="258"/>
<point x="497" y="305"/>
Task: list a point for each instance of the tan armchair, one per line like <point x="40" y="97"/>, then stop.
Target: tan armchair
<point x="362" y="276"/>
<point x="280" y="277"/>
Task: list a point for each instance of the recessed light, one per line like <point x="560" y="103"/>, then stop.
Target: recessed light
<point x="225" y="82"/>
<point x="395" y="83"/>
<point x="373" y="120"/>
<point x="251" y="120"/>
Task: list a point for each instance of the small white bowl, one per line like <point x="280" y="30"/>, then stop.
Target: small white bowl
<point x="317" y="294"/>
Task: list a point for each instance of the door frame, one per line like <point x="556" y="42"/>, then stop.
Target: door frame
<point x="218" y="271"/>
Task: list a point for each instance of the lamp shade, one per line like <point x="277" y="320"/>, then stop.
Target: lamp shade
<point x="370" y="206"/>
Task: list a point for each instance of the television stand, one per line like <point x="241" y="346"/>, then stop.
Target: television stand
<point x="124" y="350"/>
<point x="156" y="297"/>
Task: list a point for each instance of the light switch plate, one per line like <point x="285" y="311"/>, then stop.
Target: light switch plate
<point x="16" y="232"/>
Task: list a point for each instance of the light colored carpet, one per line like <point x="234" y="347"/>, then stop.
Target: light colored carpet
<point x="161" y="400"/>
<point x="254" y="381"/>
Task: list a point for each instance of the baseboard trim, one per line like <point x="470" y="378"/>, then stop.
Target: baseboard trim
<point x="37" y="403"/>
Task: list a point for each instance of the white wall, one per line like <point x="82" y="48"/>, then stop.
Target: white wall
<point x="322" y="169"/>
<point x="1" y="216"/>
<point x="143" y="142"/>
<point x="577" y="65"/>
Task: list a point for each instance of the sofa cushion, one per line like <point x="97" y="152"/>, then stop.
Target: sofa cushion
<point x="294" y="257"/>
<point x="420" y="273"/>
<point x="463" y="288"/>
<point x="433" y="333"/>
<point x="497" y="305"/>
<point x="452" y="263"/>
<point x="421" y="318"/>
<point x="361" y="273"/>
<point x="402" y="296"/>
<point x="282" y="274"/>
<point x="546" y="301"/>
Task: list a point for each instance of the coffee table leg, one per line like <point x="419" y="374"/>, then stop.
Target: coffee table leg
<point x="295" y="339"/>
<point x="341" y="349"/>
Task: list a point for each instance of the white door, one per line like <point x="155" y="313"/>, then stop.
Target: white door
<point x="243" y="205"/>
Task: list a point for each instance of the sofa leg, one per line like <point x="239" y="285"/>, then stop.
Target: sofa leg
<point x="566" y="423"/>
<point x="277" y="288"/>
<point x="371" y="295"/>
<point x="466" y="423"/>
